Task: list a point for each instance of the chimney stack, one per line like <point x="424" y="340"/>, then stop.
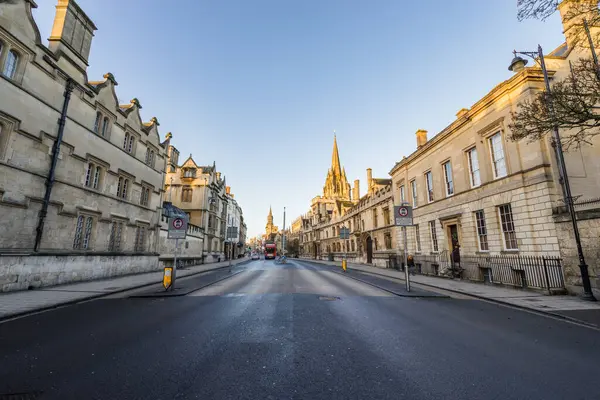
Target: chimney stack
<point x="369" y="179"/>
<point x="421" y="138"/>
<point x="572" y="13"/>
<point x="356" y="190"/>
<point x="72" y="32"/>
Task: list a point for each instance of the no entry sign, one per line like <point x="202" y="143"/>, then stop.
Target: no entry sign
<point x="177" y="228"/>
<point x="403" y="215"/>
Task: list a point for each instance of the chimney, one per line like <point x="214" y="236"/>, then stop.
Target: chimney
<point x="356" y="190"/>
<point x="228" y="189"/>
<point x="421" y="138"/>
<point x="72" y="32"/>
<point x="572" y="13"/>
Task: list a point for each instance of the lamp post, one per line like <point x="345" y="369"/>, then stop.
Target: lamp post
<point x="205" y="211"/>
<point x="517" y="64"/>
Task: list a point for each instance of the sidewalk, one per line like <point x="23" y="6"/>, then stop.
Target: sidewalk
<point x="27" y="301"/>
<point x="567" y="307"/>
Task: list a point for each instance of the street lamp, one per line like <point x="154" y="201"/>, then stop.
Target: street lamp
<point x="516" y="65"/>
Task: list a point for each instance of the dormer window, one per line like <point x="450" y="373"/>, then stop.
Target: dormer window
<point x="189" y="173"/>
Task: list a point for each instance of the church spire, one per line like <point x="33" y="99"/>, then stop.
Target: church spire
<point x="335" y="157"/>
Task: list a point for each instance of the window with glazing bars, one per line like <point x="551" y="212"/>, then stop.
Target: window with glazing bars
<point x="116" y="231"/>
<point x="434" y="240"/>
<point x="83" y="233"/>
<point x="508" y="227"/>
<point x="481" y="230"/>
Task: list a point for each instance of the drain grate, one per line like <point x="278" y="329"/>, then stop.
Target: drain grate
<point x="21" y="396"/>
<point x="328" y="298"/>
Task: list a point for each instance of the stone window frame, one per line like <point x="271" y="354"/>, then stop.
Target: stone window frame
<point x="8" y="44"/>
<point x="374" y="217"/>
<point x="141" y="238"/>
<point x="387" y="240"/>
<point x="117" y="230"/>
<point x="505" y="227"/>
<point x="7" y="126"/>
<point x="125" y="184"/>
<point x="492" y="154"/>
<point x="385" y="212"/>
<point x="103" y="122"/>
<point x="130" y="142"/>
<point x="151" y="153"/>
<point x="481" y="230"/>
<point x="470" y="172"/>
<point x="184" y="191"/>
<point x="145" y="195"/>
<point x="452" y="182"/>
<point x="414" y="192"/>
<point x="417" y="239"/>
<point x="429" y="195"/>
<point x="84" y="232"/>
<point x="435" y="244"/>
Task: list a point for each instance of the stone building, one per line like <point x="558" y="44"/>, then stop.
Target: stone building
<point x="369" y="218"/>
<point x="235" y="219"/>
<point x="81" y="176"/>
<point x="474" y="189"/>
<point x="200" y="191"/>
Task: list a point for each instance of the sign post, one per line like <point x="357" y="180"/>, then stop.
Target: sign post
<point x="403" y="217"/>
<point x="344" y="234"/>
<point x="177" y="230"/>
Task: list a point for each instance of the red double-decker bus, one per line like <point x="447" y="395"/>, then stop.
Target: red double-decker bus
<point x="270" y="251"/>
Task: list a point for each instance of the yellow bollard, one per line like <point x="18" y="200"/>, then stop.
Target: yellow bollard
<point x="344" y="265"/>
<point x="167" y="275"/>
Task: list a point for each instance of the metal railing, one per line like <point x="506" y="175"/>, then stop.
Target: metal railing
<point x="537" y="272"/>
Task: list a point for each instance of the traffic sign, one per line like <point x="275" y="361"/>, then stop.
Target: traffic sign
<point x="403" y="215"/>
<point x="177" y="228"/>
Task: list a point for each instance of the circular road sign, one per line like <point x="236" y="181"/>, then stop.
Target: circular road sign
<point x="177" y="223"/>
<point x="402" y="211"/>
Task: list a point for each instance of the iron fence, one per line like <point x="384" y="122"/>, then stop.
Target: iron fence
<point x="537" y="272"/>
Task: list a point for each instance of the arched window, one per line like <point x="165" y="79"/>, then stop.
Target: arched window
<point x="104" y="126"/>
<point x="130" y="144"/>
<point x="97" y="122"/>
<point x="10" y="66"/>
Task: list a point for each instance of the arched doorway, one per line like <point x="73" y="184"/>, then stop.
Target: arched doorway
<point x="369" y="250"/>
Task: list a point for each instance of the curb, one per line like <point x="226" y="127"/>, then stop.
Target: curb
<point x="19" y="314"/>
<point x="488" y="299"/>
<point x="184" y="293"/>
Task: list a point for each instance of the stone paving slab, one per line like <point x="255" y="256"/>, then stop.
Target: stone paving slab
<point x="23" y="302"/>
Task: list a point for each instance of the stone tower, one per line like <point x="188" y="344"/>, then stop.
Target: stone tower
<point x="270" y="228"/>
<point x="336" y="184"/>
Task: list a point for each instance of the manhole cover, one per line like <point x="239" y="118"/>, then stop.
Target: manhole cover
<point x="21" y="396"/>
<point x="328" y="298"/>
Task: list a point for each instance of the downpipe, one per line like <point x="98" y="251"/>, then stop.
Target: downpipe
<point x="39" y="230"/>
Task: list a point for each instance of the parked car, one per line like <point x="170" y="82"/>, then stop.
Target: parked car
<point x="255" y="256"/>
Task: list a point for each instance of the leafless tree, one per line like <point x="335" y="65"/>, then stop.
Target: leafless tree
<point x="575" y="101"/>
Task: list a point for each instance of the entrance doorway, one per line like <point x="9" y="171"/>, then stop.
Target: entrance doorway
<point x="454" y="244"/>
<point x="369" y="250"/>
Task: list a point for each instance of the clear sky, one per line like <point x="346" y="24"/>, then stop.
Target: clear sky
<point x="259" y="86"/>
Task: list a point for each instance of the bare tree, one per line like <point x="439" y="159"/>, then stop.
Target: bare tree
<point x="575" y="101"/>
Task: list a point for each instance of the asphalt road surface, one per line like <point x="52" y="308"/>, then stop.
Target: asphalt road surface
<point x="294" y="331"/>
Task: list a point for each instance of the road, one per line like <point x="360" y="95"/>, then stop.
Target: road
<point x="295" y="331"/>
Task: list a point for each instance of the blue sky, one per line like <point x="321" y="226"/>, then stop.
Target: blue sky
<point x="259" y="86"/>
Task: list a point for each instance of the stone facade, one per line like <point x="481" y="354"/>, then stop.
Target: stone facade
<point x="103" y="212"/>
<point x="369" y="218"/>
<point x="203" y="194"/>
<point x="473" y="188"/>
